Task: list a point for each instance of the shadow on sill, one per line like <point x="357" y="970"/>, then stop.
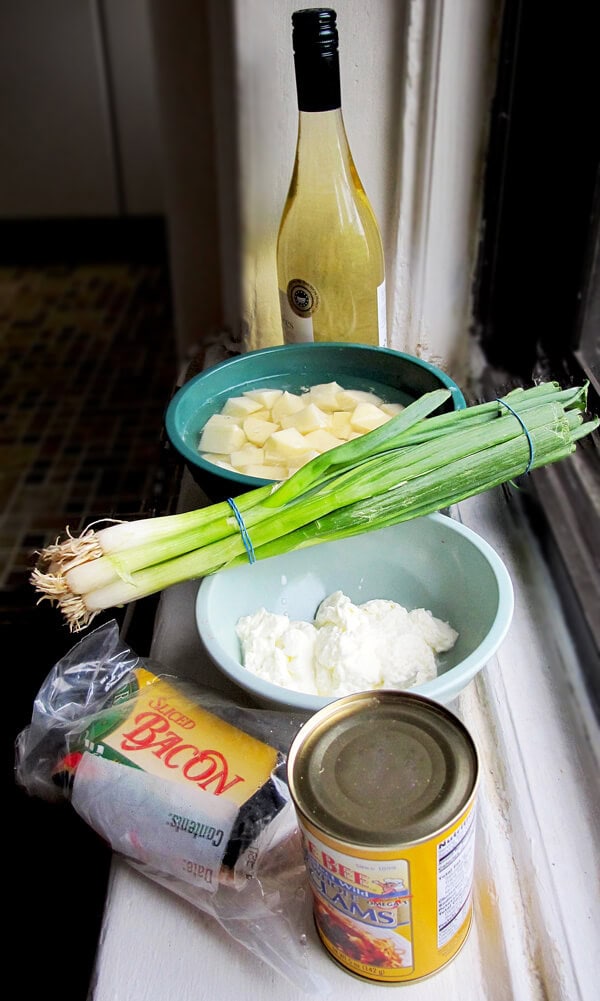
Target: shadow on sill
<point x="562" y="504"/>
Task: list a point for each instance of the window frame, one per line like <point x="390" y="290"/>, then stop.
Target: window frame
<point x="537" y="286"/>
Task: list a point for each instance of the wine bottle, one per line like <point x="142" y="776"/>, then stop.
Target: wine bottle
<point x="330" y="265"/>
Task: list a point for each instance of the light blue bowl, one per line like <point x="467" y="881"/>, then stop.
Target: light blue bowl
<point x="431" y="562"/>
<point x="395" y="376"/>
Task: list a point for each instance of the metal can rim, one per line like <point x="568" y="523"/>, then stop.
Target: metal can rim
<point x="337" y="780"/>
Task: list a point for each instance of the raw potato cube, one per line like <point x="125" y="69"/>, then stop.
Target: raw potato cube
<point x="308" y="419"/>
<point x="367" y="416"/>
<point x="223" y="420"/>
<point x="264" y="397"/>
<point x="307" y="458"/>
<point x="257" y="430"/>
<point x="263" y="415"/>
<point x="321" y="440"/>
<point x="391" y="408"/>
<point x="249" y="455"/>
<point x="349" y="399"/>
<point x="340" y="424"/>
<point x="325" y="396"/>
<point x="288" y="403"/>
<point x="240" y="406"/>
<point x="222" y="434"/>
<point x="218" y="460"/>
<point x="287" y="445"/>
<point x="266" y="471"/>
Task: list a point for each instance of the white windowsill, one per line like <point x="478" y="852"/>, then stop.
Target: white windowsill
<point x="536" y="907"/>
<point x="530" y="715"/>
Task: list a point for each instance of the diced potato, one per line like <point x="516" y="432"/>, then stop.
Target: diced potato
<point x="240" y="406"/>
<point x="309" y="455"/>
<point x="288" y="403"/>
<point x="287" y="445"/>
<point x="340" y="424"/>
<point x="264" y="397"/>
<point x="221" y="434"/>
<point x="391" y="408"/>
<point x="349" y="399"/>
<point x="218" y="460"/>
<point x="325" y="395"/>
<point x="367" y="416"/>
<point x="249" y="455"/>
<point x="266" y="471"/>
<point x="270" y="433"/>
<point x="308" y="419"/>
<point x="257" y="430"/>
<point x="321" y="440"/>
<point x="264" y="415"/>
<point x="223" y="420"/>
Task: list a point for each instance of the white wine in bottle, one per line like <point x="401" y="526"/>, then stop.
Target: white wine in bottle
<point x="330" y="265"/>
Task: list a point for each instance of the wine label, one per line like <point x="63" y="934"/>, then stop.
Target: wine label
<point x="298" y="303"/>
<point x="302" y="297"/>
<point x="382" y="315"/>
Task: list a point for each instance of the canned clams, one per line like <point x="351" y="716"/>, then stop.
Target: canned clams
<point x="384" y="786"/>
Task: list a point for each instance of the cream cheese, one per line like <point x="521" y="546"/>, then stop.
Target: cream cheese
<point x="348" y="648"/>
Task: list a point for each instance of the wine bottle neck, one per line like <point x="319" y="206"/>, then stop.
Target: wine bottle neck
<point x="317" y="80"/>
<point x="323" y="153"/>
<point x="322" y="131"/>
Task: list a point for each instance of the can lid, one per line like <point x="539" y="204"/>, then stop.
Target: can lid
<point x="382" y="769"/>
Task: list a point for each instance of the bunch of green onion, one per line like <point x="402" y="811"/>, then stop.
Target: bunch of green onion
<point x="413" y="465"/>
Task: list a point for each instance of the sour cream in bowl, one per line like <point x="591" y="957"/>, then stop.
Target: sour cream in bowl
<point x="422" y="605"/>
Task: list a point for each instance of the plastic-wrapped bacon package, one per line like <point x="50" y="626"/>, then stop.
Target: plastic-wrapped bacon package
<point x="187" y="786"/>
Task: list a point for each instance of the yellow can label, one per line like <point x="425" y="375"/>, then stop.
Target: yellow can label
<point x="390" y="917"/>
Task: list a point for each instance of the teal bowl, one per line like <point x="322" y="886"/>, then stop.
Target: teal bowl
<point x="432" y="562"/>
<point x="393" y="375"/>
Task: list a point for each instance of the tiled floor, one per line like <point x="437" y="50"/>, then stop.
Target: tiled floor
<point x="87" y="365"/>
<point x="87" y="357"/>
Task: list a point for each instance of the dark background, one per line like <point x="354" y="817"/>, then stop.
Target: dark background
<point x="81" y="438"/>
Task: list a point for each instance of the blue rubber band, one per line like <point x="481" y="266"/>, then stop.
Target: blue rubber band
<point x="525" y="429"/>
<point x="243" y="530"/>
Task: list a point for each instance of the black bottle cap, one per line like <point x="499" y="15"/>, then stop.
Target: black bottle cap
<point x="315" y="26"/>
<point x="316" y="60"/>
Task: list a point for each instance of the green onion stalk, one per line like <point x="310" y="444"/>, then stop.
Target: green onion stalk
<point x="416" y="463"/>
